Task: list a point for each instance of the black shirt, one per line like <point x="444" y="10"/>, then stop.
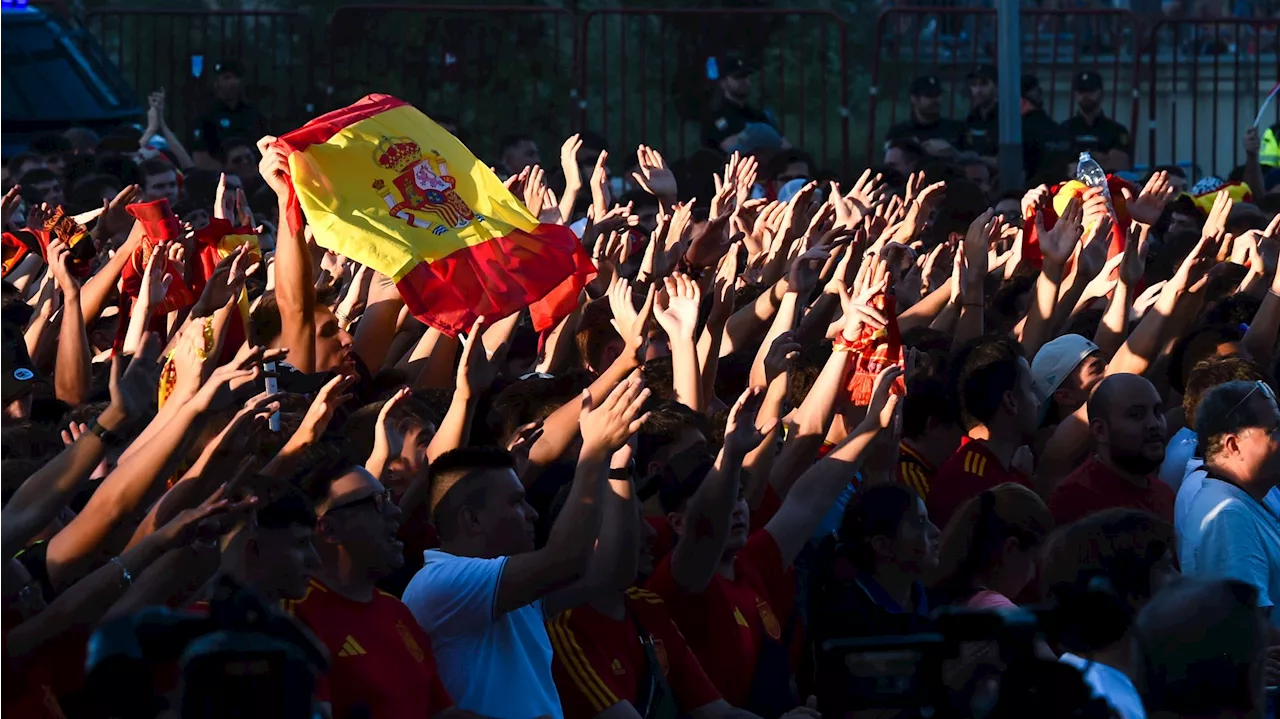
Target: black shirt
<point x="981" y="133"/>
<point x="943" y="129"/>
<point x="1103" y="135"/>
<point x="222" y="123"/>
<point x="727" y="119"/>
<point x="1046" y="146"/>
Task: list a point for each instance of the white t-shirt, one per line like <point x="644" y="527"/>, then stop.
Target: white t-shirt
<point x="1224" y="532"/>
<point x="497" y="667"/>
<point x="1110" y="684"/>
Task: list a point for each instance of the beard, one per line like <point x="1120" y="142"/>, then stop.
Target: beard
<point x="1137" y="463"/>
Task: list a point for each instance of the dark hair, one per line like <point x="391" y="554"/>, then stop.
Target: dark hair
<point x="266" y="321"/>
<point x="978" y="529"/>
<point x="226" y="146"/>
<point x="659" y="377"/>
<point x="87" y="191"/>
<point x="874" y="512"/>
<point x="1198" y="344"/>
<point x="155" y="166"/>
<point x="510" y="141"/>
<point x="30" y="440"/>
<point x="19" y="160"/>
<point x="51" y="144"/>
<point x="532" y="400"/>
<point x="1171" y="169"/>
<point x="1234" y="310"/>
<point x="452" y="469"/>
<point x="595" y="333"/>
<point x="321" y="464"/>
<point x="292" y="508"/>
<point x="667" y="419"/>
<point x="1119" y="545"/>
<point x="120" y="167"/>
<point x="1223" y="411"/>
<point x="36" y="174"/>
<point x="926" y="400"/>
<point x="908" y="146"/>
<point x="1210" y="373"/>
<point x="778" y="163"/>
<point x="981" y="373"/>
<point x="360" y="428"/>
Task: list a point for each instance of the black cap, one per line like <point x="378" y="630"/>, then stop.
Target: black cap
<point x="1030" y="83"/>
<point x="926" y="86"/>
<point x="733" y="65"/>
<point x="1088" y="81"/>
<point x="20" y="375"/>
<point x="985" y="71"/>
<point x="228" y="67"/>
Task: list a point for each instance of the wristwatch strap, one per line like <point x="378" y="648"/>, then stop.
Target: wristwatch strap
<point x="107" y="436"/>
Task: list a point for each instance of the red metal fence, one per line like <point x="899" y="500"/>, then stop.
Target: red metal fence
<point x="642" y="75"/>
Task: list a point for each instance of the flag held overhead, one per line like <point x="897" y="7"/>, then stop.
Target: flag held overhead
<point x="382" y="184"/>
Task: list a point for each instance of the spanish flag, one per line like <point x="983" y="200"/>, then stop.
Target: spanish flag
<point x="381" y="183"/>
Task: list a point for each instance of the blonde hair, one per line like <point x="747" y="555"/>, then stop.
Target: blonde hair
<point x="980" y="527"/>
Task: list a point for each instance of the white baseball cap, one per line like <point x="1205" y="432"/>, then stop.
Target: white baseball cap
<point x="1055" y="360"/>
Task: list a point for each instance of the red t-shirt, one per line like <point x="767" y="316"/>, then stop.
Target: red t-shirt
<point x="665" y="541"/>
<point x="725" y="623"/>
<point x="1094" y="487"/>
<point x="381" y="657"/>
<point x="967" y="473"/>
<point x="599" y="661"/>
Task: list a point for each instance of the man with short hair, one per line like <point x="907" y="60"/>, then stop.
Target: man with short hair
<point x="981" y="131"/>
<point x="937" y="135"/>
<point x="1092" y="131"/>
<point x="41" y="185"/>
<point x="274" y="554"/>
<point x="20" y="165"/>
<point x="229" y="116"/>
<point x="1126" y="419"/>
<point x="484" y="595"/>
<point x="518" y="152"/>
<point x="159" y="181"/>
<point x="1065" y="370"/>
<point x="930" y="434"/>
<point x="732" y="123"/>
<point x="53" y="149"/>
<point x="904" y="156"/>
<point x="999" y="408"/>
<point x="1206" y="375"/>
<point x="383" y="664"/>
<point x="1228" y="530"/>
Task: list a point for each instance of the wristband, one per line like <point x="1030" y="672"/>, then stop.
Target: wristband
<point x="124" y="571"/>
<point x="107" y="436"/>
<point x="624" y="472"/>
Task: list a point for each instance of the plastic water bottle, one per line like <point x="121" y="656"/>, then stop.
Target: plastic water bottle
<point x="1089" y="172"/>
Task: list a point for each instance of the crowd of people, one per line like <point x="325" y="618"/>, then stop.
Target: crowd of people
<point x="892" y="444"/>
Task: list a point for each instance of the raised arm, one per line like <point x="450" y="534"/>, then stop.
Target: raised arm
<point x="1261" y="335"/>
<point x="1056" y="246"/>
<point x="709" y="514"/>
<point x="605" y="428"/>
<point x="71" y="369"/>
<point x="378" y="322"/>
<point x="295" y="283"/>
<point x="819" y="487"/>
<point x="1114" y="326"/>
<point x="680" y="321"/>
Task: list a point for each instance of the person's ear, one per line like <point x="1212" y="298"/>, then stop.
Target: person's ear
<point x="882" y="546"/>
<point x="1009" y="402"/>
<point x="469" y="521"/>
<point x="1010" y="546"/>
<point x="676" y="520"/>
<point x="327" y="530"/>
<point x="1098" y="429"/>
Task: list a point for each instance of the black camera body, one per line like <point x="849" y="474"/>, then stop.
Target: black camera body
<point x="244" y="659"/>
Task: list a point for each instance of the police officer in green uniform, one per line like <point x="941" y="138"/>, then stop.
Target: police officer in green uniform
<point x="981" y="132"/>
<point x="732" y="123"/>
<point x="1046" y="146"/>
<point x="1091" y="131"/>
<point x="938" y="135"/>
<point x="230" y="116"/>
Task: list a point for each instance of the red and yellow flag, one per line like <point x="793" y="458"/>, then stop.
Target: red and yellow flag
<point x="381" y="183"/>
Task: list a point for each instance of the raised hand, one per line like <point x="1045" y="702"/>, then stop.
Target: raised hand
<point x="1035" y="198"/>
<point x="388" y="440"/>
<point x="804" y="271"/>
<point x="326" y="402"/>
<point x="884" y="402"/>
<point x="1057" y="244"/>
<point x="709" y="245"/>
<point x="226" y="281"/>
<point x="680" y="317"/>
<point x="521" y="443"/>
<point x="1093" y="253"/>
<point x="155" y="279"/>
<point x="600" y="185"/>
<point x="615" y="220"/>
<point x="977" y="242"/>
<point x="866" y="192"/>
<point x="1134" y="264"/>
<point x="155" y="111"/>
<point x="245" y="367"/>
<point x="653" y="176"/>
<point x="133" y="391"/>
<point x="569" y="162"/>
<point x="9" y="205"/>
<point x="1215" y="226"/>
<point x="477" y="369"/>
<point x="630" y="324"/>
<point x="607" y="427"/>
<point x="781" y="356"/>
<point x="59" y="256"/>
<point x="741" y="434"/>
<point x="274" y="165"/>
<point x="115" y="218"/>
<point x="1151" y="201"/>
<point x="198" y="523"/>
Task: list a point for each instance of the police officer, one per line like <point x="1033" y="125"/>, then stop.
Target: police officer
<point x="937" y="135"/>
<point x="1091" y="131"/>
<point x="732" y="124"/>
<point x="981" y="132"/>
<point x="229" y="116"/>
<point x="1046" y="146"/>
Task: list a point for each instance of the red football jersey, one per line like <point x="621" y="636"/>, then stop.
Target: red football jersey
<point x="599" y="661"/>
<point x="1094" y="487"/>
<point x="725" y="623"/>
<point x="381" y="658"/>
<point x="970" y="471"/>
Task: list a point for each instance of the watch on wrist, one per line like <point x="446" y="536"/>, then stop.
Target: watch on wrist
<point x="107" y="436"/>
<point x="623" y="473"/>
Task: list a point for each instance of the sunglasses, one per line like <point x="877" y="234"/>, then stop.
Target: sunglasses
<point x="380" y="501"/>
<point x="1258" y="386"/>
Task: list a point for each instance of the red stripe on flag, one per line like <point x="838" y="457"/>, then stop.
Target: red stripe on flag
<point x="544" y="270"/>
<point x="322" y="128"/>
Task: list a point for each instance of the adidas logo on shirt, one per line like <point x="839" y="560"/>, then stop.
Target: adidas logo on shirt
<point x="351" y="648"/>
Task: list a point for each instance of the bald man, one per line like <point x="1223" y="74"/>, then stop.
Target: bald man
<point x="1126" y="419"/>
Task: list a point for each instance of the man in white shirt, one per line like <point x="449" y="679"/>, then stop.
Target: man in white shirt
<point x="1227" y="528"/>
<point x="483" y="596"/>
